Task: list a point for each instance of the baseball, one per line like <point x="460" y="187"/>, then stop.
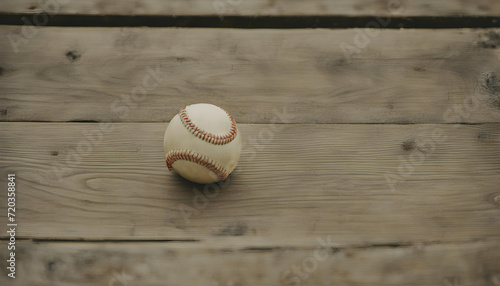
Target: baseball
<point x="202" y="143"/>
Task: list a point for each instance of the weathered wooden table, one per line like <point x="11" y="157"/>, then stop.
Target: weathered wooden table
<point x="371" y="156"/>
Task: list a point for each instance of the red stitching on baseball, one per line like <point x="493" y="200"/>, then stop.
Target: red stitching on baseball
<point x="197" y="158"/>
<point x="206" y="136"/>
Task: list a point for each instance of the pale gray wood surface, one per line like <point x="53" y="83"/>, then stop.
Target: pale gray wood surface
<point x="186" y="264"/>
<point x="261" y="7"/>
<point x="401" y="76"/>
<point x="293" y="184"/>
<point x="96" y="202"/>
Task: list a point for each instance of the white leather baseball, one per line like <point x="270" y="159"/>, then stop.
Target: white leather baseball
<point x="202" y="143"/>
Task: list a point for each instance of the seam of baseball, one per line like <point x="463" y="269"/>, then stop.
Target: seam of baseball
<point x="206" y="136"/>
<point x="191" y="156"/>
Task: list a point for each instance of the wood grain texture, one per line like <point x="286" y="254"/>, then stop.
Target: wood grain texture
<point x="294" y="183"/>
<point x="406" y="76"/>
<point x="260" y="7"/>
<point x="154" y="264"/>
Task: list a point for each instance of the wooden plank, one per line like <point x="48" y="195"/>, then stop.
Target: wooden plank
<point x="408" y="76"/>
<point x="293" y="184"/>
<point x="259" y="7"/>
<point x="149" y="264"/>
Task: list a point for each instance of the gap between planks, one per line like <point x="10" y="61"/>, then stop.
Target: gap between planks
<point x="261" y="22"/>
